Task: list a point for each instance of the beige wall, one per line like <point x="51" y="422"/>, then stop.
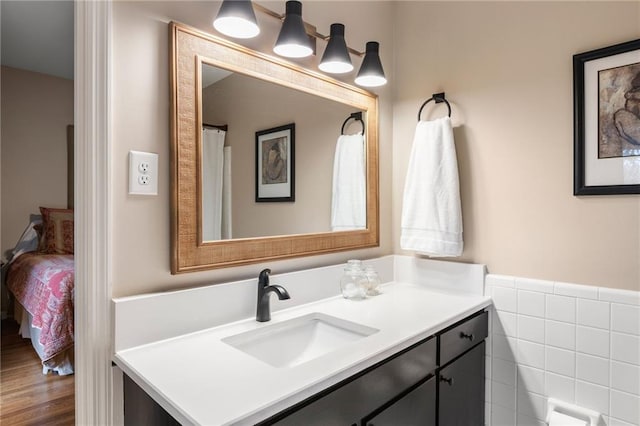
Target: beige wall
<point x="507" y="69"/>
<point x="140" y="105"/>
<point x="36" y="109"/>
<point x="505" y="66"/>
<point x="248" y="105"/>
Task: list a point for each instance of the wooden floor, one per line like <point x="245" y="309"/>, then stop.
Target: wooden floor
<point x="28" y="397"/>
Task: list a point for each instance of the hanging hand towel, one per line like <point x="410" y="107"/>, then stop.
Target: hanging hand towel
<point x="349" y="200"/>
<point x="431" y="212"/>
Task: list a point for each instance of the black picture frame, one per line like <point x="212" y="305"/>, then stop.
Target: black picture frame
<point x="594" y="122"/>
<point x="275" y="164"/>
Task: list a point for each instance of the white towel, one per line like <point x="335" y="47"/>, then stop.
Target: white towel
<point x="349" y="200"/>
<point x="431" y="212"/>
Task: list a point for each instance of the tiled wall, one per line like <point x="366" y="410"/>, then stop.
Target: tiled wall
<point x="579" y="344"/>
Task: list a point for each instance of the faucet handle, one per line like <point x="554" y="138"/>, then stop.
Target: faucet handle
<point x="263" y="278"/>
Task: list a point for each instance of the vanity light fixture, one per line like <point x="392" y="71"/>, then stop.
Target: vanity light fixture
<point x="336" y="59"/>
<point x="236" y="18"/>
<point x="371" y="73"/>
<point x="293" y="41"/>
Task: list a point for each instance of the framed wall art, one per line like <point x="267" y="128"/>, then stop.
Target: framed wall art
<point x="275" y="164"/>
<point x="606" y="84"/>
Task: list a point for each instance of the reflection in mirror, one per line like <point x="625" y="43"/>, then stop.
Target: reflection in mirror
<point x="329" y="172"/>
<point x="216" y="184"/>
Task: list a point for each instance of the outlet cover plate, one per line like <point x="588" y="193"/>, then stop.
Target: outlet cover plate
<point x="143" y="182"/>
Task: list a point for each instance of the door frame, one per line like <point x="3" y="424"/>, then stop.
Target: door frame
<point x="94" y="381"/>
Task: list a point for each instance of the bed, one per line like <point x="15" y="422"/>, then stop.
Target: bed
<point x="40" y="277"/>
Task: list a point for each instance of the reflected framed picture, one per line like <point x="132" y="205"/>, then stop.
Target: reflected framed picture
<point x="275" y="164"/>
<point x="606" y="114"/>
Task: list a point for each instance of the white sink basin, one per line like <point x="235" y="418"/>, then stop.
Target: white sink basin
<point x="298" y="340"/>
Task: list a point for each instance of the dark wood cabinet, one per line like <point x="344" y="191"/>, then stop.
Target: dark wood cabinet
<point x="140" y="409"/>
<point x="438" y="381"/>
<point x="350" y="401"/>
<point x="461" y="389"/>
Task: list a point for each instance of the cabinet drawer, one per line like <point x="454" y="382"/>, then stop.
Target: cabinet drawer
<point x="348" y="402"/>
<point x="463" y="336"/>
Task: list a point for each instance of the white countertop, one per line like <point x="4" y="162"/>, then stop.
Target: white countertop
<point x="200" y="380"/>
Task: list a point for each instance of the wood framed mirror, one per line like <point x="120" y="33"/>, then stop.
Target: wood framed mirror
<point x="191" y="52"/>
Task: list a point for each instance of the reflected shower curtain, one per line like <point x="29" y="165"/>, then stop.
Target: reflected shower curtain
<point x="226" y="195"/>
<point x="216" y="186"/>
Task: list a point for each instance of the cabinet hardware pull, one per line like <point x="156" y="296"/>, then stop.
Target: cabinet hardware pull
<point x="464" y="335"/>
<point x="449" y="380"/>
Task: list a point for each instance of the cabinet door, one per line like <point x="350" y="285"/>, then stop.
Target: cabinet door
<point x="141" y="410"/>
<point x="461" y="390"/>
<point x="417" y="408"/>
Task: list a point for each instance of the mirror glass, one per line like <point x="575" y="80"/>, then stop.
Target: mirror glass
<point x="294" y="186"/>
<point x="273" y="129"/>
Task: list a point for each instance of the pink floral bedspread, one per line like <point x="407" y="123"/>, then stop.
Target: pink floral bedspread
<point x="43" y="284"/>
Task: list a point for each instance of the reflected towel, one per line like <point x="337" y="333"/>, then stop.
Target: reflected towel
<point x="349" y="200"/>
<point x="431" y="212"/>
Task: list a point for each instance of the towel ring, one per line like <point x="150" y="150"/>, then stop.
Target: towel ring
<point x="354" y="116"/>
<point x="437" y="98"/>
<point x="222" y="127"/>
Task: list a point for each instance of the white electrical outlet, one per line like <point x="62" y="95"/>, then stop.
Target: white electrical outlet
<point x="143" y="173"/>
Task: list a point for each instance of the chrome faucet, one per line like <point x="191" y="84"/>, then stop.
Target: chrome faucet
<point x="263" y="312"/>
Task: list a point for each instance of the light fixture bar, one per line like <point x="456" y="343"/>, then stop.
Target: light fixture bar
<point x="260" y="8"/>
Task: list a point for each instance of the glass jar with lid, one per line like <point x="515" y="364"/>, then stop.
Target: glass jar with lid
<point x="354" y="282"/>
<point x="373" y="281"/>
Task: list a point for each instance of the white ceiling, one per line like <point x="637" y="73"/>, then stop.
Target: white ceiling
<point x="38" y="36"/>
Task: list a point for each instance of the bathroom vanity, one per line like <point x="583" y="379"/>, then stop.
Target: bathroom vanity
<point x="413" y="355"/>
<point x="408" y="388"/>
